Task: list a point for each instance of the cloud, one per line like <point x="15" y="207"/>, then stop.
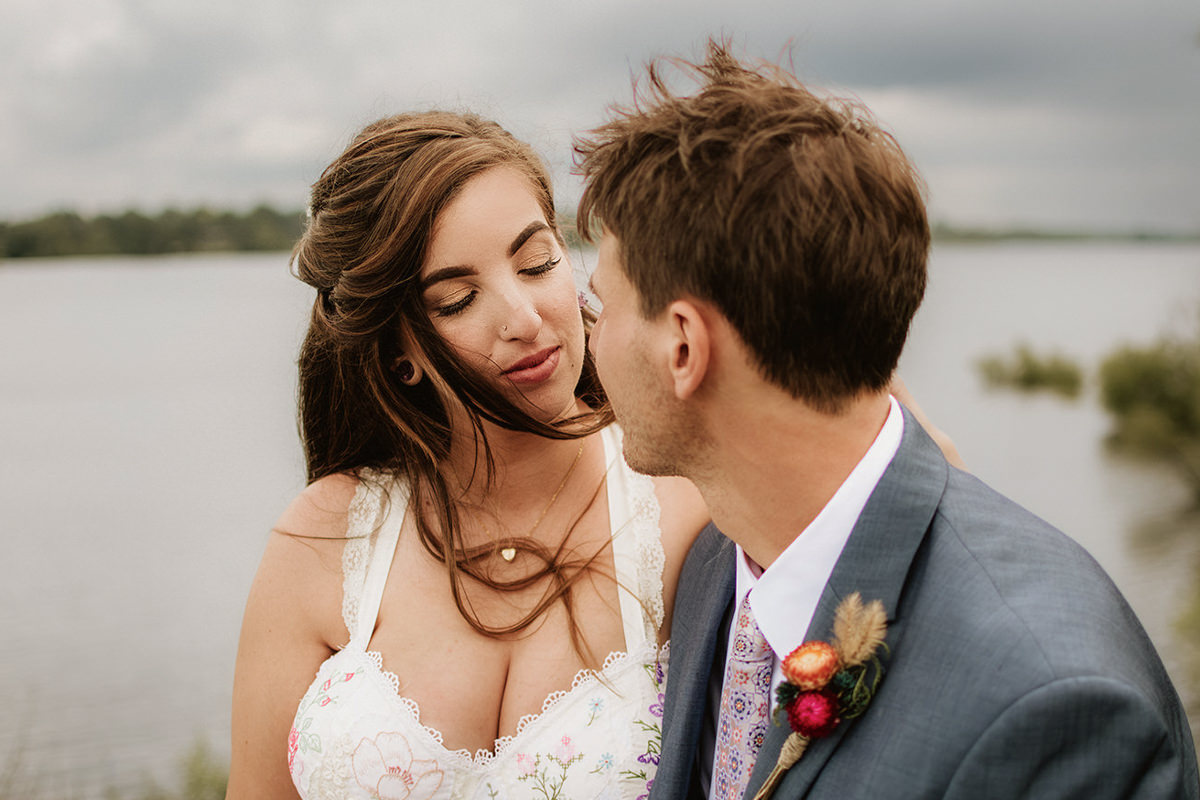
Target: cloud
<point x="1062" y="113"/>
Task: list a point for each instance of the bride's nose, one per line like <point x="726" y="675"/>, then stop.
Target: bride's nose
<point x="521" y="319"/>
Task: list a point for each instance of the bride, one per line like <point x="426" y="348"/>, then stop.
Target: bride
<point x="471" y="597"/>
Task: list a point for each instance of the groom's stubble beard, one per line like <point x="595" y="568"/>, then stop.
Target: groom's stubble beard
<point x="663" y="435"/>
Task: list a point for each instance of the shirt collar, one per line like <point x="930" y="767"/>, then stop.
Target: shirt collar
<point x="786" y="594"/>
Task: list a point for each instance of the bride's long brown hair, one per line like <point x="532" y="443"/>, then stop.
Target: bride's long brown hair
<point x="371" y="216"/>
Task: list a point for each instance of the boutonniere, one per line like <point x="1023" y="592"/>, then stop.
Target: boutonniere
<point x="826" y="683"/>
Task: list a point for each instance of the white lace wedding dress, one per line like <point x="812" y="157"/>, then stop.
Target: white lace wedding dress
<point x="355" y="736"/>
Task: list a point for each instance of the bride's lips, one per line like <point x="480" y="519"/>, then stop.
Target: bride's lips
<point x="535" y="368"/>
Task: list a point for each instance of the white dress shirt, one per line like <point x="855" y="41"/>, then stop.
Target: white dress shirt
<point x="786" y="593"/>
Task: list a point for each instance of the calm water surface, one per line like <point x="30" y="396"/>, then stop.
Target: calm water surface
<point x="147" y="443"/>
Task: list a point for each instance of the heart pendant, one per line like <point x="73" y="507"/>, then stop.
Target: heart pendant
<point x="508" y="553"/>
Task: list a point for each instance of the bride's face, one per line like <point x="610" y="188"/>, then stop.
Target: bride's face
<point x="497" y="284"/>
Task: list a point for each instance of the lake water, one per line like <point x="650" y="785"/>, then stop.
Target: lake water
<point x="147" y="443"/>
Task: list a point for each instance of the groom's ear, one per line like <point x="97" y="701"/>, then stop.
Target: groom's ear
<point x="691" y="347"/>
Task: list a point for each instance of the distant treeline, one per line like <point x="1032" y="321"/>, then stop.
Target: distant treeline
<point x="66" y="233"/>
<point x="955" y="234"/>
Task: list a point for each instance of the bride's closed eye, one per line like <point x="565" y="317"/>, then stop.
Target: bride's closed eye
<point x="457" y="306"/>
<point x="542" y="269"/>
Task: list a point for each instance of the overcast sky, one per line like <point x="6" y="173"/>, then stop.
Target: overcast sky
<point x="1076" y="113"/>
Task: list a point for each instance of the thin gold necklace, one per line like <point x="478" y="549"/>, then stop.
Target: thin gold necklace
<point x="509" y="553"/>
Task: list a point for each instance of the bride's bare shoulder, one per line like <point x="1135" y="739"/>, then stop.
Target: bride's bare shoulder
<point x="683" y="512"/>
<point x="292" y="623"/>
<point x="321" y="511"/>
<point x="300" y="574"/>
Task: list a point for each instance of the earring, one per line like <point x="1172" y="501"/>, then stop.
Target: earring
<point x="408" y="372"/>
<point x="582" y="300"/>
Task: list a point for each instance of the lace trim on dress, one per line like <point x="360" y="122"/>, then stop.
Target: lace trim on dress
<point x="462" y="758"/>
<point x="356" y="553"/>
<point x="651" y="556"/>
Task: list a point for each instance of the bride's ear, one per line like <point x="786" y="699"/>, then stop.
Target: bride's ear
<point x="690" y="339"/>
<point x="409" y="365"/>
<point x="408" y="371"/>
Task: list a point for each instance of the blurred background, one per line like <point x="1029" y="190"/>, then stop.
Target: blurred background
<point x="155" y="162"/>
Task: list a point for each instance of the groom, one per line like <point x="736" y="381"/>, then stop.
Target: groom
<point x="763" y="254"/>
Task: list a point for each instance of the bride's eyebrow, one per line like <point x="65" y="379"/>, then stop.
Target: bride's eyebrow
<point x="529" y="230"/>
<point x="446" y="274"/>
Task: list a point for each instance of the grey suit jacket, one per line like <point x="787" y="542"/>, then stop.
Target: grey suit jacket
<point x="1016" y="669"/>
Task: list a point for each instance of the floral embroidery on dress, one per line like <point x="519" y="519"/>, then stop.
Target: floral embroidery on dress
<point x="293" y="746"/>
<point x="603" y="764"/>
<point x="547" y="777"/>
<point x="652" y="726"/>
<point x="300" y="740"/>
<point x="595" y="706"/>
<point x="385" y="766"/>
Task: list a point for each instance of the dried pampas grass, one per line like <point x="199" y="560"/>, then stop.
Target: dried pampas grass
<point x="858" y="630"/>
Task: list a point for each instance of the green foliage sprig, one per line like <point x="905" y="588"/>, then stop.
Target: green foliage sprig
<point x="1028" y="372"/>
<point x="1153" y="396"/>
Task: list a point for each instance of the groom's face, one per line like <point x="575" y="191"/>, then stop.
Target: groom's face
<point x="626" y="346"/>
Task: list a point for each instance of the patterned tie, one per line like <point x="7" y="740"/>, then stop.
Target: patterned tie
<point x="745" y="707"/>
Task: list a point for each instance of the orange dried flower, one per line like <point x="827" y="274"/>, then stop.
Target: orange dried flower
<point x="811" y="665"/>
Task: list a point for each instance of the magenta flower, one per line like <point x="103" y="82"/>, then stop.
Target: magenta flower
<point x="814" y="714"/>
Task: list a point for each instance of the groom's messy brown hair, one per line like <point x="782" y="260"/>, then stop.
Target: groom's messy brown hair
<point x="795" y="215"/>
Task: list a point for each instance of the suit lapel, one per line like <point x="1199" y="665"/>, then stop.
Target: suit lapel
<point x="875" y="563"/>
<point x="705" y="592"/>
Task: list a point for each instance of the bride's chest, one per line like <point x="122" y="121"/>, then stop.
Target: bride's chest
<point x="356" y="729"/>
<point x="476" y="688"/>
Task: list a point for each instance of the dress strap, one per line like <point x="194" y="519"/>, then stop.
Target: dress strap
<point x="367" y="560"/>
<point x="637" y="545"/>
